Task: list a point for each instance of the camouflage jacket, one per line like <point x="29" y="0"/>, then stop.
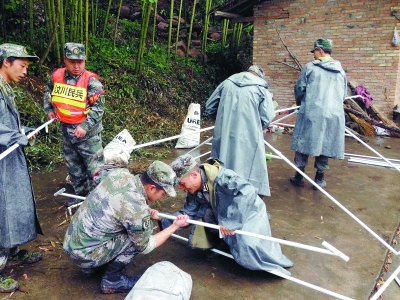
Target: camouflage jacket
<point x="92" y="124"/>
<point x="117" y="206"/>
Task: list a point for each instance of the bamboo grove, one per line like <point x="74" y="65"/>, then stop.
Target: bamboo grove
<point x="61" y="21"/>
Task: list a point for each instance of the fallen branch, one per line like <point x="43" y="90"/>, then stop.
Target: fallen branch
<point x="371" y="121"/>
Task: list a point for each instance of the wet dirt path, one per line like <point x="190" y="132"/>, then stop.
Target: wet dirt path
<point x="298" y="214"/>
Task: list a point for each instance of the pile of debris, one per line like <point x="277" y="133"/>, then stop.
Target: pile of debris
<point x="364" y="118"/>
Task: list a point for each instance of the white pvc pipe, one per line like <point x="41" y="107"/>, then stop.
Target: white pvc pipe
<point x="15" y="146"/>
<point x="205" y="142"/>
<point x="284" y="124"/>
<point x="336" y="252"/>
<point x="284" y="117"/>
<point x="356" y="96"/>
<point x="202" y="155"/>
<point x="170" y="138"/>
<point x="285" y="109"/>
<point x="372" y="157"/>
<point x="397" y="280"/>
<point x="370" y="162"/>
<point x="386" y="284"/>
<point x="372" y="149"/>
<point x="333" y="199"/>
<point x="290" y="278"/>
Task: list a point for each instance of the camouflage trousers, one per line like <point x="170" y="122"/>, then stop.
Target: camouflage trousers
<point x="5" y="253"/>
<point x="301" y="161"/>
<point x="119" y="248"/>
<point x="82" y="160"/>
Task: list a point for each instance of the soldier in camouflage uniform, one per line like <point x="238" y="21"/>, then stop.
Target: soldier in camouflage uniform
<point x="76" y="97"/>
<point x="114" y="223"/>
<point x="18" y="219"/>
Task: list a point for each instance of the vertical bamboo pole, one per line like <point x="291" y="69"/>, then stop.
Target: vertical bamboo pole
<point x="87" y="28"/>
<point x="205" y="27"/>
<point x="116" y="23"/>
<point x="30" y="21"/>
<point x="171" y="16"/>
<point x="191" y="28"/>
<point x="62" y="26"/>
<point x="106" y="19"/>
<point x="154" y="23"/>
<point x="179" y="27"/>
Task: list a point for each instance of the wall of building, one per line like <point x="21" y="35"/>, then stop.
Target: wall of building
<point x="361" y="32"/>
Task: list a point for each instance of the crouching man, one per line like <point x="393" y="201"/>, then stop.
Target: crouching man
<point x="220" y="196"/>
<point x="114" y="223"/>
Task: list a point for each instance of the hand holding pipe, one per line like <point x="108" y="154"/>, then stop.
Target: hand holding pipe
<point x="15" y="146"/>
<point x="331" y="250"/>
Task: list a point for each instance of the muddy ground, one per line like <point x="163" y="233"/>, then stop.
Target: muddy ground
<point x="298" y="214"/>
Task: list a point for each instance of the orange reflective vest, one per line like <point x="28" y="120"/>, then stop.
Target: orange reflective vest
<point x="71" y="101"/>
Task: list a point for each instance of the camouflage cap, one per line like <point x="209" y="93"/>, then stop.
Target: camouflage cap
<point x="324" y="44"/>
<point x="182" y="165"/>
<point x="7" y="50"/>
<point x="259" y="71"/>
<point x="74" y="51"/>
<point x="163" y="175"/>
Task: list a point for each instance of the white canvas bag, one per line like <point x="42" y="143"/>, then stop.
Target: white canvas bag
<point x="191" y="123"/>
<point x="162" y="280"/>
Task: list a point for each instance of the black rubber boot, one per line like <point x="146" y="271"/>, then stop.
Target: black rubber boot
<point x="298" y="179"/>
<point x="319" y="179"/>
<point x="113" y="281"/>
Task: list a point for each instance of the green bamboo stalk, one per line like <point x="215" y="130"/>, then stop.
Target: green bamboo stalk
<point x="3" y="19"/>
<point x="49" y="25"/>
<point x="87" y="27"/>
<point x="116" y="23"/>
<point x="106" y="19"/>
<point x="171" y="16"/>
<point x="154" y="23"/>
<point x="225" y="32"/>
<point x="54" y="13"/>
<point x="147" y="20"/>
<point x="52" y="37"/>
<point x="74" y="20"/>
<point x="81" y="39"/>
<point x="146" y="12"/>
<point x="30" y="21"/>
<point x="96" y="14"/>
<point x="205" y="27"/>
<point x="239" y="35"/>
<point x="190" y="29"/>
<point x="141" y="43"/>
<point x="62" y="25"/>
<point x="179" y="27"/>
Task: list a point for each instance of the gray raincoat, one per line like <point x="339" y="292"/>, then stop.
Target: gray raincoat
<point x="18" y="220"/>
<point x="242" y="108"/>
<point x="320" y="92"/>
<point x="236" y="205"/>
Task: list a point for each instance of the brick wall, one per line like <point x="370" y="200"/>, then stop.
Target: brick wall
<point x="361" y="31"/>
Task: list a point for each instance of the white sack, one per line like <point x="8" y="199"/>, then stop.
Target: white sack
<point x="118" y="151"/>
<point x="162" y="280"/>
<point x="191" y="123"/>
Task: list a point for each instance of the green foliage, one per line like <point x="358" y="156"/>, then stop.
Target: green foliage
<point x="151" y="105"/>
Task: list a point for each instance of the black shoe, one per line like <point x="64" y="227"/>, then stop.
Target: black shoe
<point x="120" y="283"/>
<point x="72" y="201"/>
<point x="297" y="180"/>
<point x="319" y="179"/>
